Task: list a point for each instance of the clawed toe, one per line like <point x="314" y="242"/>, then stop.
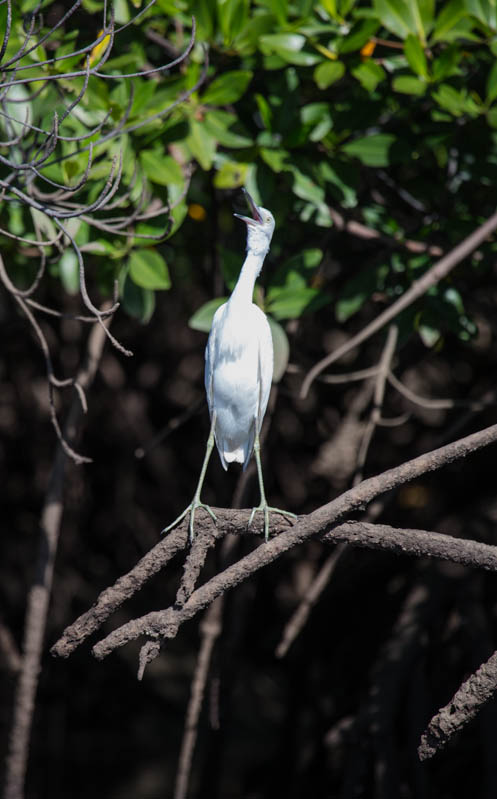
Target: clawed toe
<point x="191" y="509"/>
<point x="267" y="509"/>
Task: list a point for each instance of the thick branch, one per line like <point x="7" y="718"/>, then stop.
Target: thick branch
<point x="167" y="622"/>
<point x="464" y="705"/>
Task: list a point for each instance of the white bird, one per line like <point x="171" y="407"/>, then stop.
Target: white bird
<point x="239" y="370"/>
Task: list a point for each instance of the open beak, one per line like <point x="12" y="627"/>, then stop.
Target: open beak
<point x="256" y="218"/>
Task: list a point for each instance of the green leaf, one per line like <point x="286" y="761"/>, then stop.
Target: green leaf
<point x="137" y="301"/>
<point x="284" y="41"/>
<point x="217" y="124"/>
<point x="415" y="55"/>
<point x="343" y="178"/>
<point x="290" y="302"/>
<point x="148" y="269"/>
<point x="360" y="34"/>
<point x="456" y="102"/>
<point x="453" y="297"/>
<point x="407" y="84"/>
<point x="327" y="73"/>
<point x="359" y="289"/>
<point x="288" y="46"/>
<point x="317" y="119"/>
<point x="448" y="20"/>
<point x="446" y="64"/>
<point x="201" y="144"/>
<point x="17" y="105"/>
<point x="403" y="17"/>
<point x="279" y="9"/>
<point x="202" y="319"/>
<point x="232" y="16"/>
<point x="275" y="159"/>
<point x="484" y="11"/>
<point x="305" y="188"/>
<point x="281" y="349"/>
<point x="264" y="110"/>
<point x="369" y="74"/>
<point x="429" y="334"/>
<point x="307" y="259"/>
<point x="371" y="150"/>
<point x="231" y="175"/>
<point x="160" y="168"/>
<point x="491" y="91"/>
<point x="69" y="272"/>
<point x="227" y="88"/>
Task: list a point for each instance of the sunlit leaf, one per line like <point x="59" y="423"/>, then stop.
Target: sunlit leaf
<point x="371" y="150"/>
<point x="281" y="349"/>
<point x="69" y="271"/>
<point x="231" y="175"/>
<point x="415" y="55"/>
<point x="327" y="73"/>
<point x="227" y="88"/>
<point x="148" y="269"/>
<point x="202" y="319"/>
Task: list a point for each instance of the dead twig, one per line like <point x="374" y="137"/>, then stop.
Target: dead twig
<point x="375" y="416"/>
<point x="434" y="275"/>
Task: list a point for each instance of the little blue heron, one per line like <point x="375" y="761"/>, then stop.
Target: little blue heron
<point x="238" y="371"/>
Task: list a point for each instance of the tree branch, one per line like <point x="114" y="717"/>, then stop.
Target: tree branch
<point x="464" y="705"/>
<point x="434" y="275"/>
<point x="167" y="622"/>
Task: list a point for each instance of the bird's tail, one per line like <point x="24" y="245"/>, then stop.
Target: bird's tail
<point x="235" y="456"/>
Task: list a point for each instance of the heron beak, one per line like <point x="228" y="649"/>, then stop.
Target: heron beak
<point x="257" y="218"/>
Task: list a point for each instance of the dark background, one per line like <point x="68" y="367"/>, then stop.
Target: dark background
<point x="391" y="637"/>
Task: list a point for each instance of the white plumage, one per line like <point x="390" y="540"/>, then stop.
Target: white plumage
<point x="239" y="369"/>
<point x="238" y="373"/>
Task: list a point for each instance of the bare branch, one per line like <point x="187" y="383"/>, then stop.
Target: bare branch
<point x="363" y="232"/>
<point x="379" y="395"/>
<point x="210" y="629"/>
<point x="167" y="622"/>
<point x="434" y="275"/>
<point x="468" y="700"/>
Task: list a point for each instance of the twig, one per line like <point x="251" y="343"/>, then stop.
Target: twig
<point x="210" y="629"/>
<point x="298" y="620"/>
<point x="436" y="404"/>
<point x="379" y="395"/>
<point x="39" y="596"/>
<point x="10" y="657"/>
<point x="362" y="231"/>
<point x="464" y="705"/>
<point x="193" y="565"/>
<point x="437" y="272"/>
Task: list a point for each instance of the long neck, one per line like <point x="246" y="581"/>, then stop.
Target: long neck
<point x="244" y="289"/>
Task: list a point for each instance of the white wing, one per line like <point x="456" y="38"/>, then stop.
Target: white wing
<point x="210" y="356"/>
<point x="265" y="367"/>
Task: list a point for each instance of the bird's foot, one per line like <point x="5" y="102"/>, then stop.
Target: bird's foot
<point x="191" y="508"/>
<point x="266" y="510"/>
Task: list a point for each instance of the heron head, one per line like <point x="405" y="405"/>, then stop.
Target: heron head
<point x="260" y="226"/>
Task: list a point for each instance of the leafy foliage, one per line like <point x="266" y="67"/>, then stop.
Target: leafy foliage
<point x="384" y="110"/>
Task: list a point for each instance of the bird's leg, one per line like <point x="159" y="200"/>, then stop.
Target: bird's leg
<point x="196" y="503"/>
<point x="263" y="506"/>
